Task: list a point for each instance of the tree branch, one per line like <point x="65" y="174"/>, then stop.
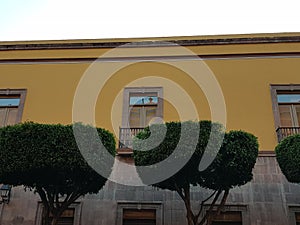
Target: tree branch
<point x="223" y="201"/>
<point x="50" y="200"/>
<point x="208" y="213"/>
<point x="43" y="196"/>
<point x="179" y="191"/>
<point x="57" y="200"/>
<point x="202" y="203"/>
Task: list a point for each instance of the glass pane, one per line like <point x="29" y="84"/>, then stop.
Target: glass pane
<point x="9" y="101"/>
<point x="288" y="98"/>
<point x="297" y="107"/>
<point x="285" y="116"/>
<point x="143" y="100"/>
<point x="12" y="116"/>
<point x="150" y="113"/>
<point x="135" y="117"/>
<point x="2" y="116"/>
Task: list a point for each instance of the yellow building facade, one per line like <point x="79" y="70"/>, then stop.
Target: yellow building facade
<point x="246" y="82"/>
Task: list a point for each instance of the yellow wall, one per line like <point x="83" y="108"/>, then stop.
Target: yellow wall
<point x="245" y="83"/>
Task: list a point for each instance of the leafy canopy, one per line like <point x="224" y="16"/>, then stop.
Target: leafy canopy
<point x="47" y="156"/>
<point x="288" y="157"/>
<point x="231" y="167"/>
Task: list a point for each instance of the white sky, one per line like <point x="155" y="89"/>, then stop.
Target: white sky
<point x="89" y="19"/>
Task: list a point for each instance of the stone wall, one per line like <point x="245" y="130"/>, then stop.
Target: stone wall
<point x="268" y="200"/>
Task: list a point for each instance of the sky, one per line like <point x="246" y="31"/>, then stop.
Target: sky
<point x="94" y="19"/>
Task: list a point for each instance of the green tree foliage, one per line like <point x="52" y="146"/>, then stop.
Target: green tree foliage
<point x="288" y="157"/>
<point x="231" y="167"/>
<point x="46" y="159"/>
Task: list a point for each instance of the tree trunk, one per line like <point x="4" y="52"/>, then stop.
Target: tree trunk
<point x="45" y="216"/>
<point x="56" y="216"/>
<point x="184" y="193"/>
<point x="191" y="218"/>
<point x="54" y="221"/>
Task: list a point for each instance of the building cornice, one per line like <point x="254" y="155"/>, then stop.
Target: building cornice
<point x="96" y="44"/>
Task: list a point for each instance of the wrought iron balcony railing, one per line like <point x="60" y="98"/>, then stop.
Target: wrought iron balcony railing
<point x="126" y="136"/>
<point x="283" y="132"/>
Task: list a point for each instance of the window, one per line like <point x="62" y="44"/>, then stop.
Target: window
<point x="286" y="108"/>
<point x="139" y="217"/>
<point x="294" y="214"/>
<point x="297" y="218"/>
<point x="140" y="107"/>
<point x="67" y="218"/>
<point x="231" y="215"/>
<point x="139" y="213"/>
<point x="228" y="218"/>
<point x="11" y="106"/>
<point x="70" y="216"/>
<point x="289" y="108"/>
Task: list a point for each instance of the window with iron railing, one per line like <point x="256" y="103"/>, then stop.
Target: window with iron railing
<point x="286" y="108"/>
<point x="141" y="105"/>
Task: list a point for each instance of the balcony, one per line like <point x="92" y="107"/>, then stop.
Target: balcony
<point x="283" y="132"/>
<point x="126" y="136"/>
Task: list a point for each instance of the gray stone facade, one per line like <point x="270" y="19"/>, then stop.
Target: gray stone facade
<point x="268" y="200"/>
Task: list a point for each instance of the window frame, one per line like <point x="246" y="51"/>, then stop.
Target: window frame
<point x="157" y="206"/>
<point x="292" y="210"/>
<point x="243" y="209"/>
<point x="140" y="90"/>
<point x="275" y="88"/>
<point x="20" y="92"/>
<point x="76" y="205"/>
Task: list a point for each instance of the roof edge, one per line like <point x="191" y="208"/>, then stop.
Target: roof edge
<point x="153" y="42"/>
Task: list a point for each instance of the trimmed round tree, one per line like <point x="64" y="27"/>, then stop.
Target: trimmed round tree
<point x="231" y="168"/>
<point x="288" y="157"/>
<point x="232" y="165"/>
<point x="46" y="159"/>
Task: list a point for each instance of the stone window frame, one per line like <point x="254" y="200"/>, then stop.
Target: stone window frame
<point x="22" y="93"/>
<point x="275" y="88"/>
<point x="158" y="206"/>
<point x="246" y="220"/>
<point x="292" y="210"/>
<point x="126" y="96"/>
<point x="76" y="205"/>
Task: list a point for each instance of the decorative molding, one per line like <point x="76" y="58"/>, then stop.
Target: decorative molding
<point x="151" y="58"/>
<point x="158" y="43"/>
<point x="267" y="153"/>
